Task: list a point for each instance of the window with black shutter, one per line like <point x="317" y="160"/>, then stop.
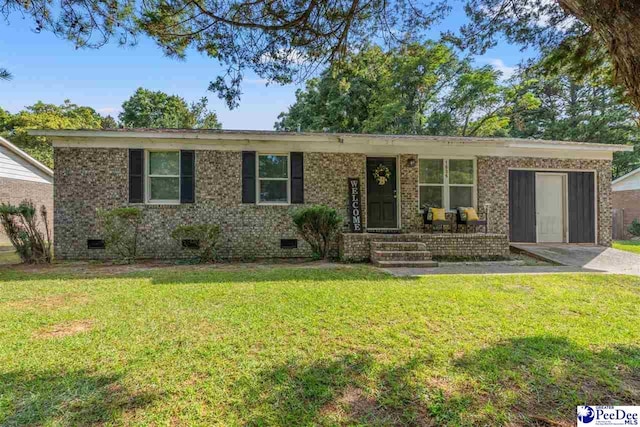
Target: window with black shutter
<point x="273" y="179"/>
<point x="163" y="176"/>
<point x="157" y="176"/>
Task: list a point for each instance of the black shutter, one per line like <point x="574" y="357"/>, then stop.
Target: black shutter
<point x="187" y="176"/>
<point x="297" y="178"/>
<point x="136" y="176"/>
<point x="248" y="177"/>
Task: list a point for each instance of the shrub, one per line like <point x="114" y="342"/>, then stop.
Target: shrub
<point x="121" y="227"/>
<point x="206" y="235"/>
<point x="317" y="225"/>
<point x="634" y="228"/>
<point x="22" y="226"/>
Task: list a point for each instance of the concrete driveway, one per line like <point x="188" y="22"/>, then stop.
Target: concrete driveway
<point x="594" y="258"/>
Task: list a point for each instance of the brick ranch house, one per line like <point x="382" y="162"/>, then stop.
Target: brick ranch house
<point x="23" y="178"/>
<point x="249" y="182"/>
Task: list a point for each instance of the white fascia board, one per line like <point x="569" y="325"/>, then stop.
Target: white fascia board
<point x="375" y="140"/>
<point x="371" y="147"/>
<point x="205" y="136"/>
<point x="572" y="146"/>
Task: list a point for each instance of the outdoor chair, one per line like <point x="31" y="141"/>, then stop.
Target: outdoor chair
<point x="461" y="220"/>
<point x="428" y="221"/>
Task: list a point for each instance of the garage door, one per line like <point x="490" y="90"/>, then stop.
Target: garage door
<point x="580" y="215"/>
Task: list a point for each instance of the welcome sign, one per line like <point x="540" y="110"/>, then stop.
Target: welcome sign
<point x="355" y="211"/>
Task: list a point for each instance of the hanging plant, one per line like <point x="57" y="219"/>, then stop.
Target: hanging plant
<point x="381" y="174"/>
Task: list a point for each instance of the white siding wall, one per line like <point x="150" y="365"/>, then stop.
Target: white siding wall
<point x="11" y="166"/>
<point x="632" y="182"/>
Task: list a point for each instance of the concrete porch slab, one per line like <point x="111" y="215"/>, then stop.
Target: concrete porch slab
<point x="590" y="258"/>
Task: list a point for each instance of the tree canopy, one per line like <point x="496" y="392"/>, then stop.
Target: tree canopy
<point x="156" y="109"/>
<point x="283" y="40"/>
<point x="144" y="108"/>
<point x="588" y="109"/>
<point x="417" y="89"/>
<point x="45" y="116"/>
<point x="427" y="89"/>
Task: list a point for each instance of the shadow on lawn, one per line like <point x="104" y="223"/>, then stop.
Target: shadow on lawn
<point x="523" y="381"/>
<point x="549" y="376"/>
<point x="199" y="274"/>
<point x="67" y="398"/>
<point x="335" y="391"/>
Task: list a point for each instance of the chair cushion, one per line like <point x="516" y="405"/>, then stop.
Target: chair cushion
<point x="462" y="213"/>
<point x="438" y="214"/>
<point x="471" y="214"/>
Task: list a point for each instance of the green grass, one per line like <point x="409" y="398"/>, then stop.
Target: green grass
<point x="627" y="245"/>
<point x="8" y="255"/>
<point x="312" y="346"/>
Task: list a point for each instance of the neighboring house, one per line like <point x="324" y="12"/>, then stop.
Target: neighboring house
<point x="23" y="178"/>
<point x="625" y="198"/>
<point x="249" y="182"/>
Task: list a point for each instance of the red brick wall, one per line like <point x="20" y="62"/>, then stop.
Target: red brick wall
<point x="628" y="200"/>
<point x="15" y="191"/>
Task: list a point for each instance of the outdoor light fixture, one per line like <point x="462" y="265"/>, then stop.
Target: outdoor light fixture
<point x="411" y="162"/>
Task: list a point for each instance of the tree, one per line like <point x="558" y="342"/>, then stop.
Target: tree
<point x="584" y="33"/>
<point x="418" y="89"/>
<point x="108" y="122"/>
<point x="478" y="105"/>
<point x="280" y="40"/>
<point x="374" y="91"/>
<point x="5" y="74"/>
<point x="581" y="108"/>
<point x="45" y="116"/>
<point x="149" y="109"/>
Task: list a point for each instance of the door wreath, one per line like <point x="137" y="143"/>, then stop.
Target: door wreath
<point x="381" y="174"/>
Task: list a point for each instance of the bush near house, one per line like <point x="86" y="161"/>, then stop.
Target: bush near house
<point x="634" y="228"/>
<point x="318" y="226"/>
<point x="121" y="227"/>
<point x="201" y="238"/>
<point x="29" y="235"/>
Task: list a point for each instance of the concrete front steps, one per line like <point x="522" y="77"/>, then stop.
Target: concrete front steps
<point x="401" y="254"/>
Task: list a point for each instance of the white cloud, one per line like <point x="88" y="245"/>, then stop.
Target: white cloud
<point x="497" y="63"/>
<point x="108" y="110"/>
<point x="292" y="56"/>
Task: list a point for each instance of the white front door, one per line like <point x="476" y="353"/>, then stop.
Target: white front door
<point x="550" y="207"/>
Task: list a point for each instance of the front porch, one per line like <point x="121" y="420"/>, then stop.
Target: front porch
<point x="356" y="247"/>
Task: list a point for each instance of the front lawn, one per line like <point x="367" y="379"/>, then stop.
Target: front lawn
<point x="627" y="245"/>
<point x="8" y="255"/>
<point x="310" y="345"/>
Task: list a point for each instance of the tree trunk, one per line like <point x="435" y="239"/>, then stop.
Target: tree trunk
<point x="617" y="23"/>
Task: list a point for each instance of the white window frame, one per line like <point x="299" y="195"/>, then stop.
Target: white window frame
<point x="258" y="179"/>
<point x="148" y="176"/>
<point x="446" y="185"/>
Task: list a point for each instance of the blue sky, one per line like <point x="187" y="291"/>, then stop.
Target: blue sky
<point x="50" y="69"/>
